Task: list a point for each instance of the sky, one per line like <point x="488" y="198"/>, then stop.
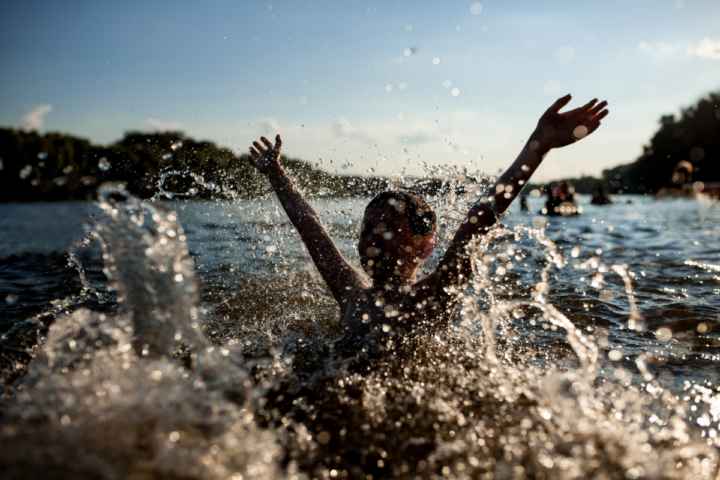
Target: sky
<point x="356" y="87"/>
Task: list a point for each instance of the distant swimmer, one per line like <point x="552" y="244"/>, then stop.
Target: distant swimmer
<point x="601" y="197"/>
<point x="560" y="201"/>
<point x="398" y="233"/>
<point x="523" y="203"/>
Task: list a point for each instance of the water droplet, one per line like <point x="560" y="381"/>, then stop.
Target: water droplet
<point x="566" y="54"/>
<point x="538" y="222"/>
<point x="615" y="355"/>
<point x="271" y="249"/>
<point x="607" y="296"/>
<point x="25" y="171"/>
<point x="663" y="334"/>
<point x="176" y="145"/>
<point x="525" y="168"/>
<point x="11" y="299"/>
<point x="447" y="83"/>
<point x="407" y="52"/>
<point x="552" y="87"/>
<point x="476" y="8"/>
<point x="457" y="29"/>
<point x="42" y="155"/>
<point x="455" y="92"/>
<point x="167" y="156"/>
<point x="436" y="61"/>
<point x="67" y="170"/>
<point x="390" y="87"/>
<point x="104" y="164"/>
<point x="580" y="131"/>
<point x="304" y="100"/>
<point x="403" y="86"/>
<point x="575" y="252"/>
<point x="408" y="28"/>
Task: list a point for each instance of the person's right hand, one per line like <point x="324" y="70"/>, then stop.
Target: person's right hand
<point x="264" y="159"/>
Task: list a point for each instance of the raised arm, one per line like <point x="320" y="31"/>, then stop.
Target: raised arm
<point x="334" y="269"/>
<point x="554" y="130"/>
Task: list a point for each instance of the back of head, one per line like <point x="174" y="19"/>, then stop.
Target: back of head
<point x="416" y="210"/>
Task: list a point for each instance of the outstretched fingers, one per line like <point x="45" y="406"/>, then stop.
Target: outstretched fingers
<point x="594" y="123"/>
<point x="560" y="103"/>
<point x="581" y="110"/>
<point x="592" y="113"/>
<point x="260" y="149"/>
<point x="278" y="142"/>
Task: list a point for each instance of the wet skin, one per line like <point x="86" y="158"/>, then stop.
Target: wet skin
<point x="389" y="253"/>
<point x="389" y="250"/>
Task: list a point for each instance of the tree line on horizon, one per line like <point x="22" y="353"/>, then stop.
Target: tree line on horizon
<point x="684" y="149"/>
<point x="165" y="165"/>
<point x="54" y="166"/>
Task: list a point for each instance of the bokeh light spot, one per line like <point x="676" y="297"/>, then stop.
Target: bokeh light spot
<point x="566" y="54"/>
<point x="552" y="87"/>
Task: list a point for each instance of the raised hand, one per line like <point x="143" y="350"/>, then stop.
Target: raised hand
<point x="265" y="158"/>
<point x="557" y="129"/>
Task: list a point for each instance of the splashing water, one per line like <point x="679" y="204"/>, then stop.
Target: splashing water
<point x="517" y="387"/>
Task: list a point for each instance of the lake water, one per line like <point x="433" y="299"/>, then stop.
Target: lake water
<point x="547" y="372"/>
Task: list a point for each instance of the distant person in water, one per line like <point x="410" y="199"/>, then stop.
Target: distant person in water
<point x="601" y="197"/>
<point x="566" y="192"/>
<point x="398" y="232"/>
<point x="560" y="201"/>
<point x="523" y="202"/>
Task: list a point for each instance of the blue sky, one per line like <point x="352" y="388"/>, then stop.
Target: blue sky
<point x="364" y="84"/>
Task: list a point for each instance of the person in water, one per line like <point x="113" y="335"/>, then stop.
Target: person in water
<point x="398" y="232"/>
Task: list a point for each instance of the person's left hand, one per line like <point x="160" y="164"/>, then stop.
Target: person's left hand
<point x="557" y="129"/>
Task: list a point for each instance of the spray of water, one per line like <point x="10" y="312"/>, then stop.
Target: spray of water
<point x="513" y="389"/>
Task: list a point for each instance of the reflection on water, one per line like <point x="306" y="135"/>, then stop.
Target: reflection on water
<point x="547" y="372"/>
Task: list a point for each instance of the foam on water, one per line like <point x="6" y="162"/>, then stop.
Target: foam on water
<point x="499" y="394"/>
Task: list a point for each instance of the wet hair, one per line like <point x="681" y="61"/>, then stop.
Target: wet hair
<point x="417" y="211"/>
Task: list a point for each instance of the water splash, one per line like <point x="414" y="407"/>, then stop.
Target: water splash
<point x="515" y="388"/>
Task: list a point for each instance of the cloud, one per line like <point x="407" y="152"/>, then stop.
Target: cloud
<point x="659" y="48"/>
<point x="414" y="133"/>
<point x="159" y="125"/>
<point x="33" y="119"/>
<point x="708" y="49"/>
<point x="465" y="114"/>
